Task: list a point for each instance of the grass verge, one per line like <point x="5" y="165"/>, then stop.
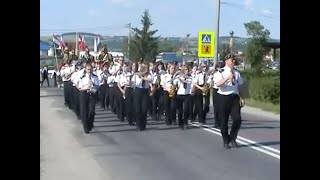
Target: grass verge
<point x="264" y="105"/>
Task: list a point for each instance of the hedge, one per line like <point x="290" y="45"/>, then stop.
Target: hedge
<point x="263" y="87"/>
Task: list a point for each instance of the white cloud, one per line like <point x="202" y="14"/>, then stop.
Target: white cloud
<point x="248" y="4"/>
<point x="94" y="13"/>
<point x="266" y="12"/>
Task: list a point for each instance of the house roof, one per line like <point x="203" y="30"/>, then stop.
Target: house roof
<point x="44" y="46"/>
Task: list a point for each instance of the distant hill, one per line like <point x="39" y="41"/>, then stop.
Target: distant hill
<point x="115" y="43"/>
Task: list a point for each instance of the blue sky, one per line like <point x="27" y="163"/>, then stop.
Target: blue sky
<point x="170" y="17"/>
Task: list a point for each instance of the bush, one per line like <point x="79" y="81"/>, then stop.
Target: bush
<point x="265" y="88"/>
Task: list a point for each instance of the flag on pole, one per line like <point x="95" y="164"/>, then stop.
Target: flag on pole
<point x="58" y="41"/>
<point x="96" y="43"/>
<point x="82" y="42"/>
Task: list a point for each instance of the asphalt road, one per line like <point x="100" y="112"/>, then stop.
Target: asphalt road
<point x="119" y="152"/>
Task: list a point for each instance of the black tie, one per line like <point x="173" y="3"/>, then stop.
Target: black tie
<point x="143" y="83"/>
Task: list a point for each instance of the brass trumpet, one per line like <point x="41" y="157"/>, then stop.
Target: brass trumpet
<point x="206" y="89"/>
<point x="172" y="91"/>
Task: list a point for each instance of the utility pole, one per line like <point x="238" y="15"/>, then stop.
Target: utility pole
<point x="129" y="37"/>
<point x="217" y="18"/>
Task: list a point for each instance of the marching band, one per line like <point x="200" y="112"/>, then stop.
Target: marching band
<point x="134" y="91"/>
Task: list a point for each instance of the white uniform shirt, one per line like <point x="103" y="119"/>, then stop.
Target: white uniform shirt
<point x="200" y="78"/>
<point x="153" y="76"/>
<point x="85" y="80"/>
<point x="111" y="78"/>
<point x="115" y="68"/>
<point x="128" y="79"/>
<point x="214" y="79"/>
<point x="73" y="78"/>
<point x="99" y="73"/>
<point x="122" y="79"/>
<point x="79" y="74"/>
<point x="227" y="88"/>
<point x="181" y="90"/>
<point x="162" y="79"/>
<point x="167" y="83"/>
<point x="138" y="81"/>
<point x="66" y="72"/>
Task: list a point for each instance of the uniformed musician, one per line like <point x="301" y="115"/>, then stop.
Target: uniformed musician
<point x="182" y="100"/>
<point x="194" y="72"/>
<point x="228" y="79"/>
<point x="154" y="93"/>
<point x="167" y="83"/>
<point x="120" y="83"/>
<point x="206" y="94"/>
<point x="88" y="86"/>
<point x="142" y="81"/>
<point x="199" y="83"/>
<point x="75" y="77"/>
<point x="160" y="73"/>
<point x="66" y="72"/>
<point x="114" y="70"/>
<point x="214" y="97"/>
<point x="104" y="88"/>
<point x="130" y="85"/>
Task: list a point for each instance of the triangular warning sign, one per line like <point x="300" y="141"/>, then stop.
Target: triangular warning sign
<point x="206" y="39"/>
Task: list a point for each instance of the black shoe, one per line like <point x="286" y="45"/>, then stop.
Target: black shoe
<point x="234" y="144"/>
<point x="86" y="130"/>
<point x="226" y="146"/>
<point x="181" y="127"/>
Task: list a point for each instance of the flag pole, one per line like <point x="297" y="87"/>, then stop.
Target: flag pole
<point x="77" y="49"/>
<point x="55" y="55"/>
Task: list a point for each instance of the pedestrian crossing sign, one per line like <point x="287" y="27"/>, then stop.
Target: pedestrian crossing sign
<point x="206" y="42"/>
<point x="206" y="38"/>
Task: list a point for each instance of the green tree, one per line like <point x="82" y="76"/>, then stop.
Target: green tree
<point x="167" y="46"/>
<point x="225" y="51"/>
<point x="143" y="44"/>
<point x="255" y="50"/>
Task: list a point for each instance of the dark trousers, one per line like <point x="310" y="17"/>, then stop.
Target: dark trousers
<point x="229" y="105"/>
<point x="192" y="108"/>
<point x="120" y="105"/>
<point x="87" y="109"/>
<point x="182" y="104"/>
<point x="112" y="98"/>
<point x="76" y="104"/>
<point x="102" y="94"/>
<point x="206" y="105"/>
<point x="43" y="79"/>
<point x="154" y="104"/>
<point x="169" y="108"/>
<point x="140" y="98"/>
<point x="129" y="106"/>
<point x="198" y="104"/>
<point x="215" y="107"/>
<point x="161" y="102"/>
<point x="107" y="92"/>
<point x="67" y="89"/>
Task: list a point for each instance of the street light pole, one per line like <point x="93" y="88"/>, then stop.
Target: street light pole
<point x="217" y="18"/>
<point x="129" y="37"/>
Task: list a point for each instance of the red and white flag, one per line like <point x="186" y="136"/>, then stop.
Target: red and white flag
<point x="82" y="43"/>
<point x="58" y="41"/>
<point x="96" y="43"/>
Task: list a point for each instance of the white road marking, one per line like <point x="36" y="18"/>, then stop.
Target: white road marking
<point x="250" y="141"/>
<point x="241" y="140"/>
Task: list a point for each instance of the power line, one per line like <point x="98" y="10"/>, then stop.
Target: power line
<point x="242" y="7"/>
